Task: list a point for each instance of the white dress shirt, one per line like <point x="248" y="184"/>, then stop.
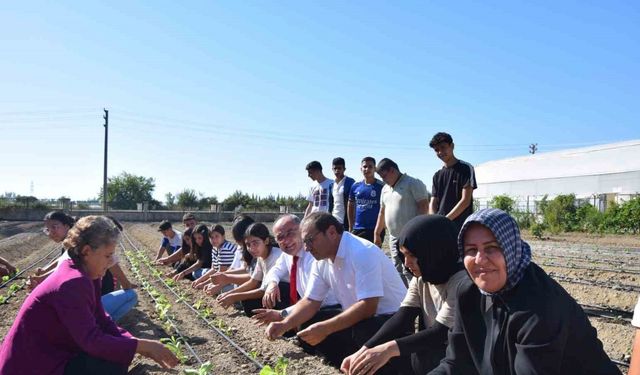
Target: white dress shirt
<point x="360" y="270"/>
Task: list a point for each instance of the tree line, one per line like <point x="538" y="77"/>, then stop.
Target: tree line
<point x="566" y="214"/>
<point x="125" y="191"/>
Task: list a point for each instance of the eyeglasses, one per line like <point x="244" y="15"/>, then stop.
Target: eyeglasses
<point x="309" y="240"/>
<point x="283" y="236"/>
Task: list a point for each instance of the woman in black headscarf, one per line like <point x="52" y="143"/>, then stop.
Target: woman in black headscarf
<point x="429" y="250"/>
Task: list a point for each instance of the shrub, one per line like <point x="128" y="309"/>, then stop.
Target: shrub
<point x="560" y="215"/>
<point x="537" y="229"/>
<point x="503" y="202"/>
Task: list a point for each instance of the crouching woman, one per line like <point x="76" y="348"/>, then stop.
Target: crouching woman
<point x="511" y="317"/>
<point x="62" y="328"/>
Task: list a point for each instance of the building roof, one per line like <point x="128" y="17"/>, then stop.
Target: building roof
<point x="603" y="159"/>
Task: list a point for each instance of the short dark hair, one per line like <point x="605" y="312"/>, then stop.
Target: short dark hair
<point x="385" y="164"/>
<point x="440" y="138"/>
<point x="217" y="228"/>
<point x="338" y="161"/>
<point x="164" y="225"/>
<point x="368" y="158"/>
<point x="314" y="165"/>
<point x="322" y="221"/>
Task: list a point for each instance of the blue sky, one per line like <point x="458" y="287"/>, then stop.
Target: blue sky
<point x="227" y="95"/>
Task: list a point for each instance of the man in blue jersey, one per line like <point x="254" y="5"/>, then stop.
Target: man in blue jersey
<point x="364" y="201"/>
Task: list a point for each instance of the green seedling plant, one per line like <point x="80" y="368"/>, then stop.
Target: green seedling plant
<point x="254" y="354"/>
<point x="205" y="369"/>
<point x="198" y="304"/>
<point x="206" y="313"/>
<point x="171" y="283"/>
<point x="280" y="367"/>
<point x="5" y="278"/>
<point x="175" y="345"/>
<point x="163" y="309"/>
<point x="3" y="300"/>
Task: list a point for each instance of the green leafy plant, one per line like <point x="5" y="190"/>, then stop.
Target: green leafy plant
<point x="5" y="278"/>
<point x="205" y="369"/>
<point x="175" y="345"/>
<point x="253" y="354"/>
<point x="170" y="283"/>
<point x="280" y="367"/>
<point x="198" y="304"/>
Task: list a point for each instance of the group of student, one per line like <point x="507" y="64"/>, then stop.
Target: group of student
<point x="460" y="294"/>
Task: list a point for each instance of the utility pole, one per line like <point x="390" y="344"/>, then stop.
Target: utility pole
<point x="533" y="148"/>
<point x="104" y="180"/>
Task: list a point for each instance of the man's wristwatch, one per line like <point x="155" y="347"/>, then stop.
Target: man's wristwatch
<point x="284" y="313"/>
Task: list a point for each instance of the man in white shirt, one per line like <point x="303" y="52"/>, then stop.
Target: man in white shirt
<point x="363" y="279"/>
<point x="319" y="197"/>
<point x="294" y="265"/>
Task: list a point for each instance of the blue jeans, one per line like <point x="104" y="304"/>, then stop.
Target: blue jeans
<point x="118" y="303"/>
<point x="198" y="273"/>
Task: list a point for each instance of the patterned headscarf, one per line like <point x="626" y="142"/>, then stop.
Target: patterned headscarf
<point x="517" y="253"/>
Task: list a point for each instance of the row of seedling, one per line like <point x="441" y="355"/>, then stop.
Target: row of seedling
<point x="13" y="289"/>
<point x="176" y="342"/>
<point x="205" y="313"/>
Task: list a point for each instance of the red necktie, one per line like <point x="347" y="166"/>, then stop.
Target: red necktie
<point x="293" y="289"/>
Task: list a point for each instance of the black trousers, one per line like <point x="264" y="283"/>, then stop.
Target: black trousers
<point x="251" y="304"/>
<point x="84" y="364"/>
<point x="339" y="345"/>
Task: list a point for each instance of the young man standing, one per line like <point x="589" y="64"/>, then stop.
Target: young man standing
<point x="364" y="202"/>
<point x="452" y="192"/>
<point x="171" y="239"/>
<point x="403" y="198"/>
<point x="340" y="191"/>
<point x="320" y="193"/>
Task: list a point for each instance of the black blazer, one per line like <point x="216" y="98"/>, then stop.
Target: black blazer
<point x="543" y="331"/>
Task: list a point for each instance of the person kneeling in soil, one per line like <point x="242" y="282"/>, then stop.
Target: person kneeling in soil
<point x="294" y="264"/>
<point x="511" y="317"/>
<point x="115" y="302"/>
<point x="261" y="246"/>
<point x="429" y="249"/>
<point x="171" y="240"/>
<point x="200" y="255"/>
<point x="62" y="328"/>
<point x="363" y="279"/>
<point x="239" y="271"/>
<point x="222" y="254"/>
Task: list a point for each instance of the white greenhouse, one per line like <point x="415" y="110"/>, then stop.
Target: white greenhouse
<point x="596" y="174"/>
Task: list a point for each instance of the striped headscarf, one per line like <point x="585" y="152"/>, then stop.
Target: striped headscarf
<point x="517" y="253"/>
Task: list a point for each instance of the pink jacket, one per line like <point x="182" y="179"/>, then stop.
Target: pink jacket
<point x="62" y="317"/>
